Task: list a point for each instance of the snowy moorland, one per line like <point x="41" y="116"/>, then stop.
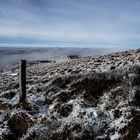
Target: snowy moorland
<point x="82" y="99"/>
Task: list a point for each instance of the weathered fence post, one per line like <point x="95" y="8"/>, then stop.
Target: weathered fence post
<point x="22" y="81"/>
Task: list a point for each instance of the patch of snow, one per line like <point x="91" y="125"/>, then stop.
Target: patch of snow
<point x="13" y="74"/>
<point x="116" y="136"/>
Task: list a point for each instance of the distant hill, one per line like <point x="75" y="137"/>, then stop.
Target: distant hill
<point x="12" y="55"/>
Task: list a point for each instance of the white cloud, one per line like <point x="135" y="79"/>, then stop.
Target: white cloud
<point x="107" y="22"/>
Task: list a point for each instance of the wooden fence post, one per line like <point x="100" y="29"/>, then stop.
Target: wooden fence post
<point x="22" y="81"/>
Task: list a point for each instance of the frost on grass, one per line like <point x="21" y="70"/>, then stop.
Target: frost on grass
<point x="85" y="99"/>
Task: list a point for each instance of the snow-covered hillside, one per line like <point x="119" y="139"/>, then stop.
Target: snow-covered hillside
<point x="83" y="99"/>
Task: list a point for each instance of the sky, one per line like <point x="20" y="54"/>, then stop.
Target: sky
<point x="70" y="23"/>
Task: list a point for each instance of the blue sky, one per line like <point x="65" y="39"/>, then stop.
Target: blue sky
<point x="70" y="23"/>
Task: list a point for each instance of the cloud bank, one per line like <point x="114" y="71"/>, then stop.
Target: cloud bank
<point x="93" y="23"/>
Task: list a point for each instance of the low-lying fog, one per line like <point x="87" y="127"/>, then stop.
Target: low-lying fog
<point x="12" y="55"/>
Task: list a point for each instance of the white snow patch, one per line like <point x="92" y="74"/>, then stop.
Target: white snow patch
<point x="116" y="136"/>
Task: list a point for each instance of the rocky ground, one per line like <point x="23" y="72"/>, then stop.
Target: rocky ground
<point x="83" y="99"/>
